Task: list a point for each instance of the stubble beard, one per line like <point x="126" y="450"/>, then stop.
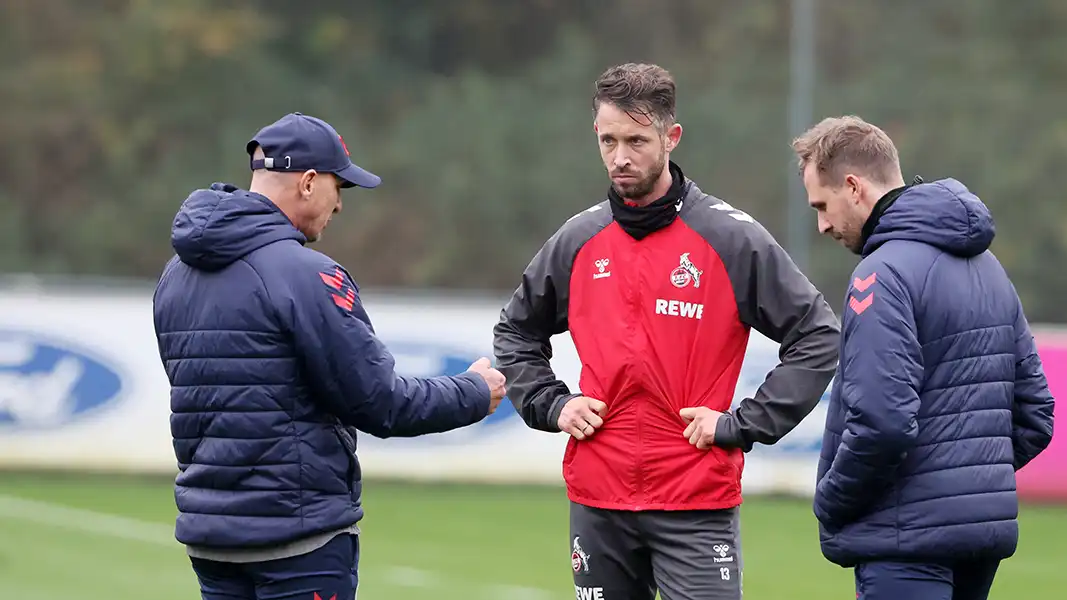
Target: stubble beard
<point x="643" y="186"/>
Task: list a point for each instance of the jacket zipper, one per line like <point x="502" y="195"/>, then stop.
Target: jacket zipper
<point x="638" y="333"/>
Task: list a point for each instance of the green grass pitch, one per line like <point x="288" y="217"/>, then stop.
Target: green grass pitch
<point x="108" y="537"/>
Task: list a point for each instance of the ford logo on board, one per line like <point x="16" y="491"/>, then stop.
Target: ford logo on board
<point x="46" y="383"/>
<point x="432" y="360"/>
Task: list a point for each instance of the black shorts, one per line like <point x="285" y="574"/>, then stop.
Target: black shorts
<point x="684" y="555"/>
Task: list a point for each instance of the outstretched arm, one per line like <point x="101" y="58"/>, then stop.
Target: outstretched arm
<point x="353" y="373"/>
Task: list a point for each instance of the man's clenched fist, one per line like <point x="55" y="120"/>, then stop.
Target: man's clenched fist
<point x="580" y="416"/>
<point x="701" y="429"/>
<point x="493" y="378"/>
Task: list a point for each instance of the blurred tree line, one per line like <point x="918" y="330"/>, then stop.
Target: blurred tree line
<point x="477" y="115"/>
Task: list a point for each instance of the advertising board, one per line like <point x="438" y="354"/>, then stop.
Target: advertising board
<point x="82" y="387"/>
<point x="1045" y="478"/>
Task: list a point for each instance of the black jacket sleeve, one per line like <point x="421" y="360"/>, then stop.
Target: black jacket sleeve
<point x="536" y="311"/>
<point x="775" y="298"/>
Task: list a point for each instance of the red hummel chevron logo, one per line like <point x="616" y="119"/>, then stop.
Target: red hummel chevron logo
<point x="861" y="285"/>
<point x="347" y="302"/>
<point x="345" y="298"/>
<point x="318" y="597"/>
<point x="336" y="281"/>
<point x="858" y="306"/>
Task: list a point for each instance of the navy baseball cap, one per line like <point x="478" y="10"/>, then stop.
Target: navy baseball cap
<point x="298" y="142"/>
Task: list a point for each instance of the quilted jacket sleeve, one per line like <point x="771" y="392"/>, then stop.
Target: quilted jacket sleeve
<point x="1031" y="430"/>
<point x="882" y="371"/>
<point x="352" y="371"/>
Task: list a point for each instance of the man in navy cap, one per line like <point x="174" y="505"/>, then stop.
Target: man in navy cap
<point x="274" y="366"/>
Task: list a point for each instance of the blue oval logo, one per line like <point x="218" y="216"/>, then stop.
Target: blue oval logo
<point x="432" y="360"/>
<point x="46" y="383"/>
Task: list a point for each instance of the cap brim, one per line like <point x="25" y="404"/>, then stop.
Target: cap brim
<point x="353" y="176"/>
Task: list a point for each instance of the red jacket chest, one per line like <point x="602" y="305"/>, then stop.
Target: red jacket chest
<point x="672" y="274"/>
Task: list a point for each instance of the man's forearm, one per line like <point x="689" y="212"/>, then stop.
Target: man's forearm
<point x="533" y="388"/>
<point x="791" y="391"/>
<point x="768" y="417"/>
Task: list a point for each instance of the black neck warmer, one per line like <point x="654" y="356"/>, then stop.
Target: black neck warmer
<point x="879" y="209"/>
<point x="640" y="221"/>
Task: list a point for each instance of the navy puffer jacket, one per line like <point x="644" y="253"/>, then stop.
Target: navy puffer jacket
<point x="274" y="366"/>
<point x="940" y="395"/>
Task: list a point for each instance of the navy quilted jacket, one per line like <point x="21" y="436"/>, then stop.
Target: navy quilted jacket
<point x="940" y="395"/>
<point x="274" y="365"/>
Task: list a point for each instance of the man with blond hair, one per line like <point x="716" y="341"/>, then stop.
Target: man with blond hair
<point x="939" y="397"/>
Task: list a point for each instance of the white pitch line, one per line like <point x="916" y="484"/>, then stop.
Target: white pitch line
<point x="517" y="592"/>
<point x="87" y="521"/>
<point x="109" y="525"/>
<point x="403" y="576"/>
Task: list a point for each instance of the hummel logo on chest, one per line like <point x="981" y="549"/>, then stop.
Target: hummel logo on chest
<point x="601" y="265"/>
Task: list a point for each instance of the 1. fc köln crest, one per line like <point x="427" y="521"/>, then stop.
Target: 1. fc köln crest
<point x="579" y="559"/>
<point x="685" y="273"/>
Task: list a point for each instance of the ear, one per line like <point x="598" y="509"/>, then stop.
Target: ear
<point x="674" y="135"/>
<point x="307" y="182"/>
<point x="595" y="128"/>
<point x="854" y="187"/>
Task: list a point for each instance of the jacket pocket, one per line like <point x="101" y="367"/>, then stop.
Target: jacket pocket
<point x="354" y="473"/>
<point x="730" y="460"/>
<point x="568" y="458"/>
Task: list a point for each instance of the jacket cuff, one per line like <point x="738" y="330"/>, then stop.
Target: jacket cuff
<point x="555" y="410"/>
<point x="485" y="396"/>
<point x="727" y="432"/>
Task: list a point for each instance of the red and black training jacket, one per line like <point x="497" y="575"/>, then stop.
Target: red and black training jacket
<point x="660" y="319"/>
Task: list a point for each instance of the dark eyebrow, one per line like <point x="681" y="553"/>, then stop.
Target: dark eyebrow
<point x="637" y="137"/>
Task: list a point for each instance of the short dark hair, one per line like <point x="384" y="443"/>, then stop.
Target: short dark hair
<point x="643" y="89"/>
